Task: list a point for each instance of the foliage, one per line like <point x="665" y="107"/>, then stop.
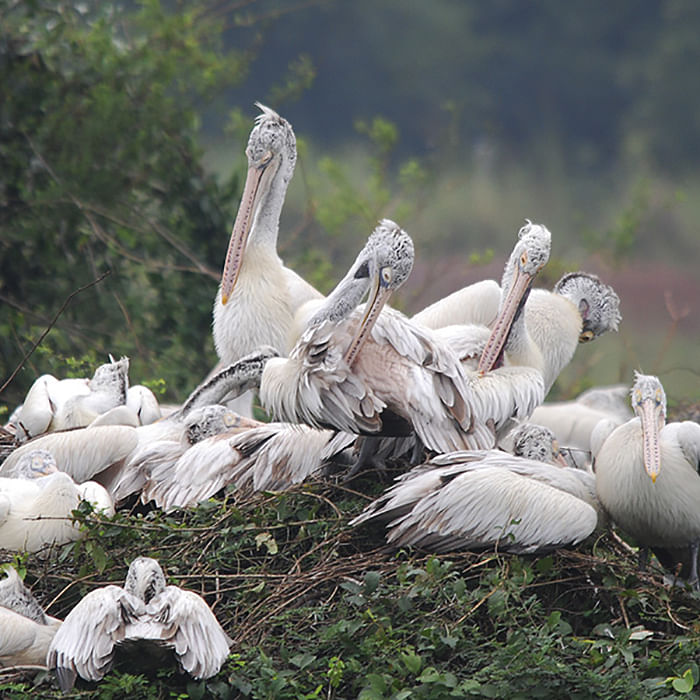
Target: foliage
<point x="329" y="612"/>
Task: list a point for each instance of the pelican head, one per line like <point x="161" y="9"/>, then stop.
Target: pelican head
<point x="597" y="303"/>
<point x="271" y="152"/>
<point x="113" y="376"/>
<point x="14" y="595"/>
<point x="207" y="421"/>
<point x="384" y="264"/>
<point x="145" y="579"/>
<point x="537" y="442"/>
<point x="529" y="256"/>
<point x="649" y="403"/>
<point x="34" y="464"/>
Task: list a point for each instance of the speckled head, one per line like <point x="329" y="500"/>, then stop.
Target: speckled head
<point x="112" y="376"/>
<point x="597" y="303"/>
<point x="649" y="404"/>
<point x="271" y="135"/>
<point x="390" y="252"/>
<point x="145" y="579"/>
<point x="533" y="247"/>
<point x="535" y="442"/>
<point x="35" y="464"/>
<point x="647" y="387"/>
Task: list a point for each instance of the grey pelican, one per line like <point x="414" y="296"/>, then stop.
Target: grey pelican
<point x="259" y="295"/>
<point x="36" y="506"/>
<point x="53" y="404"/>
<point x="145" y="609"/>
<point x="270" y="457"/>
<point x="383" y="374"/>
<point x="647" y="478"/>
<point x="489" y="499"/>
<point x="25" y="629"/>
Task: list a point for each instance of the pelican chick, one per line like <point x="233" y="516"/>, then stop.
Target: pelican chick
<point x="647" y="478"/>
<point x="145" y="610"/>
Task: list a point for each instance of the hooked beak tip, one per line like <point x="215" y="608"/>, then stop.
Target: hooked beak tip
<point x="224" y="299"/>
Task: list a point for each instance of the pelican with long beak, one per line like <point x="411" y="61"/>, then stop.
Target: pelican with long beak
<point x="259" y="295"/>
<point x="647" y="478"/>
<point x="380" y="374"/>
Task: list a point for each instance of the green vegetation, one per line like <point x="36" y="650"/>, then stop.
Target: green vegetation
<point x="318" y="610"/>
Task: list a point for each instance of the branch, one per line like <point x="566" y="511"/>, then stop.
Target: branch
<point x="67" y="301"/>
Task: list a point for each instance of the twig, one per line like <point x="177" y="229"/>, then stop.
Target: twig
<point x="67" y="301"/>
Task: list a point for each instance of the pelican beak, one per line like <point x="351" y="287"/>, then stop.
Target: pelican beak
<point x="652" y="417"/>
<point x="378" y="296"/>
<point x="558" y="455"/>
<point x="257" y="184"/>
<point x="511" y="307"/>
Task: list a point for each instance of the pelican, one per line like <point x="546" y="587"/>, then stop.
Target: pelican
<point x="382" y="374"/>
<point x="573" y="421"/>
<point x="258" y="295"/>
<point x="270" y="457"/>
<point x="146" y="610"/>
<point x="647" y="478"/>
<point x="25" y="629"/>
<point x="142" y="401"/>
<point x="36" y="507"/>
<point x="53" y="404"/>
<point x="488" y="499"/>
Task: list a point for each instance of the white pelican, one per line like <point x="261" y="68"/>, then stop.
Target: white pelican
<point x="53" y="404"/>
<point x="647" y="478"/>
<point x="143" y="402"/>
<point x="382" y="374"/>
<point x="144" y="610"/>
<point x="36" y="511"/>
<point x="488" y="499"/>
<point x="259" y="295"/>
<point x="25" y="629"/>
<point x="573" y="421"/>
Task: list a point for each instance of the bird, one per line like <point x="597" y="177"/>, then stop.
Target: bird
<point x="490" y="499"/>
<point x="144" y="611"/>
<point x="36" y="506"/>
<point x="258" y="295"/>
<point x="647" y="478"/>
<point x="52" y="404"/>
<point x="143" y="402"/>
<point x="578" y="309"/>
<point x="25" y="629"/>
<point x="573" y="421"/>
<point x="371" y="373"/>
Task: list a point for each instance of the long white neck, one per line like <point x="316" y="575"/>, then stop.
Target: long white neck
<point x="342" y="300"/>
<point x="265" y="226"/>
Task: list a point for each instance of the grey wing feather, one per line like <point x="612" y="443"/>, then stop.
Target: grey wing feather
<point x="187" y="623"/>
<point x="84" y="644"/>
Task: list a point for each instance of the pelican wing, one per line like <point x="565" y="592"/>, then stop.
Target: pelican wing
<point x="482" y="506"/>
<point x="82" y="453"/>
<point x="477" y="303"/>
<point x="184" y="620"/>
<point x="84" y="645"/>
<point x="687" y="434"/>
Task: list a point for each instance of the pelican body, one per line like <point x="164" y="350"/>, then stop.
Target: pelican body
<point x="144" y="609"/>
<point x="647" y="476"/>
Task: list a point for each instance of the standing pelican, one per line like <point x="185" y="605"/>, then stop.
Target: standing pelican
<point x="647" y="478"/>
<point x="259" y="295"/>
<point x="144" y="610"/>
<point x="486" y="499"/>
<point x="25" y="629"/>
<point x="382" y="374"/>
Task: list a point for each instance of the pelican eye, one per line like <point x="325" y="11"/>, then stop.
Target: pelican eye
<point x="386" y="274"/>
<point x="266" y="158"/>
<point x="523" y="259"/>
<point x="586" y="336"/>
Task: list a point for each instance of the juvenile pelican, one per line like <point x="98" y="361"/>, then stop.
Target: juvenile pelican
<point x="258" y="295"/>
<point x="25" y="629"/>
<point x="144" y="610"/>
<point x="53" y="404"/>
<point x="647" y="478"/>
<point x="486" y="499"/>
<point x="382" y="374"/>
